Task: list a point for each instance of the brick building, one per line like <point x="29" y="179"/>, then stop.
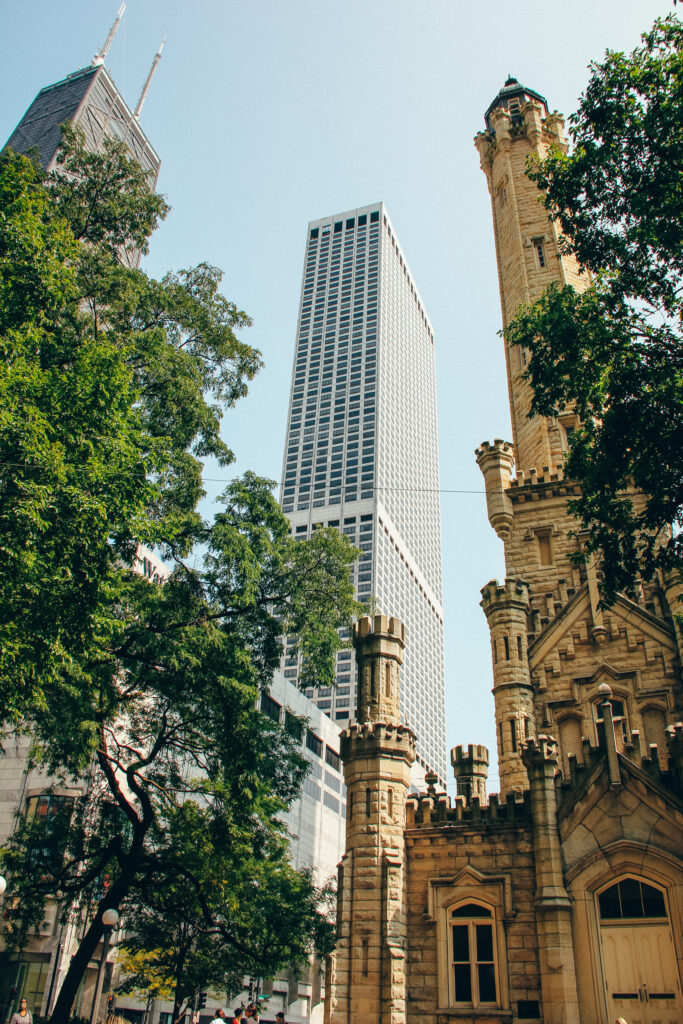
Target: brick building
<point x="561" y="899"/>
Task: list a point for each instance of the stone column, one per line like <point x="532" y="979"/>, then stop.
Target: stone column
<point x="367" y="973"/>
<point x="552" y="903"/>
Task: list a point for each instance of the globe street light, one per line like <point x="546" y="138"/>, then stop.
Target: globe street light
<point x="110" y="918"/>
<point x="3" y="885"/>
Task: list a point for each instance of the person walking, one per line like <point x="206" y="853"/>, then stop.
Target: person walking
<point x="237" y="1019"/>
<point x="219" y="1017"/>
<point x="23" y="1014"/>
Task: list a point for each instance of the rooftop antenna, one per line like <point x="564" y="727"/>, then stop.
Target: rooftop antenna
<point x="100" y="57"/>
<point x="148" y="82"/>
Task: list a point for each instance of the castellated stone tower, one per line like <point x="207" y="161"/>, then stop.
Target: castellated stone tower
<point x="551" y="643"/>
<point x="471" y="768"/>
<point x="367" y="972"/>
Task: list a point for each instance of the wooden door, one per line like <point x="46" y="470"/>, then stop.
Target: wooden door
<point x="641" y="975"/>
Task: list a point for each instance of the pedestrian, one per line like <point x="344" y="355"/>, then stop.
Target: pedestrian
<point x="280" y="1017"/>
<point x="23" y="1014"/>
<point x="219" y="1017"/>
<point x="237" y="1019"/>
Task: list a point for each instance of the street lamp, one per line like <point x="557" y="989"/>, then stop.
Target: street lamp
<point x="110" y="918"/>
<point x="3" y="885"/>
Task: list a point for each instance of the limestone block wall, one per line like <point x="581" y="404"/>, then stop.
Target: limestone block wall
<point x="491" y="860"/>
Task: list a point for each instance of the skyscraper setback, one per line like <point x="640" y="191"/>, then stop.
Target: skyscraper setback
<point x="362" y="453"/>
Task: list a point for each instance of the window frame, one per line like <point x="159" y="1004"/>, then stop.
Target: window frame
<point x="493" y="892"/>
<point x="472" y="923"/>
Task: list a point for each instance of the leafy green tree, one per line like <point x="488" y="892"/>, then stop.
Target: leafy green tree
<point x="112" y="387"/>
<point x="252" y="916"/>
<point x="614" y="351"/>
<point x="111" y="394"/>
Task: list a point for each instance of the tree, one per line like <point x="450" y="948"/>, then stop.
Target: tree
<point x="614" y="351"/>
<point x="114" y="387"/>
<point x="254" y="916"/>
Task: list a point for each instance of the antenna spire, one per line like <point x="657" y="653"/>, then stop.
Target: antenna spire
<point x="148" y="82"/>
<point x="100" y="57"/>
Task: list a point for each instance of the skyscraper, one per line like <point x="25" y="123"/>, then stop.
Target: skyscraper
<point x="362" y="451"/>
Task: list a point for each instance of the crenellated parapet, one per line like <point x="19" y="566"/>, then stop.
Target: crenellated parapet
<point x="425" y="810"/>
<point x="377" y="739"/>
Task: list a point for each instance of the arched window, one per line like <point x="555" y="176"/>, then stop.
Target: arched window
<point x="474" y="975"/>
<point x="631" y="898"/>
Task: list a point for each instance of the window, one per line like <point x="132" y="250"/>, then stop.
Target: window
<point x="473" y="958"/>
<point x="631" y="898"/>
<point x="313" y="743"/>
<point x="270" y="707"/>
<point x="545" y="552"/>
<point x="332" y="758"/>
<point x="539" y="249"/>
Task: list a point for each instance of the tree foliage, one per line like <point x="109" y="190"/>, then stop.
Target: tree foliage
<point x="614" y="351"/>
<point x="112" y="388"/>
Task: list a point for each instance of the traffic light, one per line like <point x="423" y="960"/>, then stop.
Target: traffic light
<point x="202" y="1001"/>
<point x="110" y="1004"/>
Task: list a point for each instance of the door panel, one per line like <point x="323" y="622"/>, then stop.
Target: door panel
<point x="641" y="976"/>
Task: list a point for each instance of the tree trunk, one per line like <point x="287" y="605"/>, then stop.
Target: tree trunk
<point x="84" y="953"/>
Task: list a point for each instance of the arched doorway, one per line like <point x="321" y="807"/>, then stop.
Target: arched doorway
<point x="639" y="961"/>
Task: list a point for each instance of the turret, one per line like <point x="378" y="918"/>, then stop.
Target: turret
<point x="471" y="768"/>
<point x="506" y="608"/>
<point x="366" y="973"/>
<point x="379" y="643"/>
<point x="496" y="461"/>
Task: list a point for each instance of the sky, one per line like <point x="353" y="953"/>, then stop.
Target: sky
<point x="267" y="114"/>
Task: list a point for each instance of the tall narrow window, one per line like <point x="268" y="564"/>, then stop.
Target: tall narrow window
<point x="545" y="553"/>
<point x="519" y="647"/>
<point x="539" y="249"/>
<point x="513" y="735"/>
<point x="506" y="644"/>
<point x="473" y="956"/>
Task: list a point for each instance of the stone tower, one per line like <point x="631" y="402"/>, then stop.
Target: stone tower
<point x="520" y="127"/>
<point x="552" y="645"/>
<point x="367" y="972"/>
<point x="471" y="768"/>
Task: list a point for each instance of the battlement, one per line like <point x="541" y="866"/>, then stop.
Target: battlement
<point x="377" y="739"/>
<point x="473" y="754"/>
<point x="429" y="810"/>
<point x="513" y="593"/>
<point x="540" y="750"/>
<point x="379" y="626"/>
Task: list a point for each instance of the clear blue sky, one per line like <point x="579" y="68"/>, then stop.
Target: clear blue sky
<point x="270" y="113"/>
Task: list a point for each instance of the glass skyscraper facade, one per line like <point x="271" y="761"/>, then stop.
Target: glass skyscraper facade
<point x="362" y="452"/>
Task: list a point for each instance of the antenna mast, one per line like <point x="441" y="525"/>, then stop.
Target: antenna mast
<point x="100" y="57"/>
<point x="148" y="82"/>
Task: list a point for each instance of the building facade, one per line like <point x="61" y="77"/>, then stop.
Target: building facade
<point x="561" y="899"/>
<point x="361" y="452"/>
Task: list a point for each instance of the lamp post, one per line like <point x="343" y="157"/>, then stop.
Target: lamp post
<point x="110" y="918"/>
